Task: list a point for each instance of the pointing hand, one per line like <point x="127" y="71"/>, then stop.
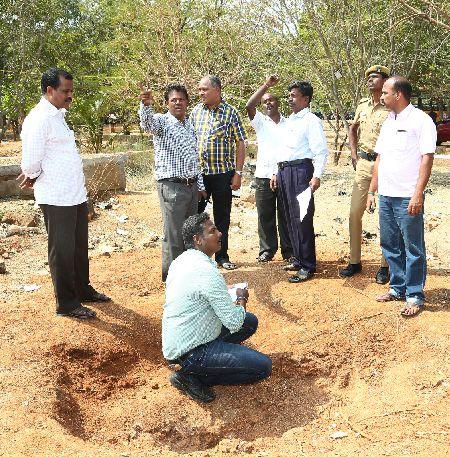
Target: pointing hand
<point x="145" y="95"/>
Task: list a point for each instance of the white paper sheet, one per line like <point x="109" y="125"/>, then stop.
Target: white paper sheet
<point x="303" y="199"/>
<point x="232" y="290"/>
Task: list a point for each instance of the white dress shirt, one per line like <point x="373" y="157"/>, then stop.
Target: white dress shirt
<point x="49" y="153"/>
<point x="303" y="138"/>
<point x="403" y="139"/>
<point x="268" y="136"/>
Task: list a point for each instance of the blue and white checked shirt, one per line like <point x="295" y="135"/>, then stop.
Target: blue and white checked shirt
<point x="175" y="142"/>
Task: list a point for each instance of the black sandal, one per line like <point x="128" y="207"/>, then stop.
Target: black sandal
<point x="227" y="265"/>
<point x="80" y="313"/>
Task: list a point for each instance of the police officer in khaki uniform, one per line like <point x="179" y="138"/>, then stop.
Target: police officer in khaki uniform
<point x="363" y="133"/>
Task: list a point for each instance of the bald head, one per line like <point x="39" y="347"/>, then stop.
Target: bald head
<point x="396" y="93"/>
<point x="210" y="90"/>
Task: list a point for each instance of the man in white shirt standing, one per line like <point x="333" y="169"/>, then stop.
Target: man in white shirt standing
<point x="52" y="166"/>
<point x="268" y="203"/>
<point x="301" y="162"/>
<point x="405" y="149"/>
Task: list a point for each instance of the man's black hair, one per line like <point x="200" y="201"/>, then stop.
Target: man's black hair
<point x="51" y="78"/>
<point x="193" y="225"/>
<point x="401" y="84"/>
<point x="175" y="88"/>
<point x="303" y="86"/>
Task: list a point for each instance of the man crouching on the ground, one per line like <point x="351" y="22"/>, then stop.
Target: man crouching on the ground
<point x="202" y="327"/>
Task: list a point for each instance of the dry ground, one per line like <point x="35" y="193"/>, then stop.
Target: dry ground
<point x="342" y="362"/>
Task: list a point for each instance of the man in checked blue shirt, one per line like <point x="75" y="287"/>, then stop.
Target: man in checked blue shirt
<point x="177" y="169"/>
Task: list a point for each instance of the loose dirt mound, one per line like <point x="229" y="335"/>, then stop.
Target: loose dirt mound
<point x="342" y="362"/>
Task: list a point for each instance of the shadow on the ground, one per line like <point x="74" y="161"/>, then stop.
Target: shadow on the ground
<point x="140" y="333"/>
<point x="438" y="272"/>
<point x="89" y="372"/>
<point x="437" y="299"/>
<point x="262" y="277"/>
<point x="288" y="399"/>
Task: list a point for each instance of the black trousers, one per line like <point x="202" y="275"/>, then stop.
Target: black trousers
<point x="291" y="182"/>
<point x="270" y="209"/>
<point x="218" y="186"/>
<point x="67" y="229"/>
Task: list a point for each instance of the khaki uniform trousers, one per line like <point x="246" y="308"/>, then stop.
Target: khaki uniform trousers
<point x="363" y="176"/>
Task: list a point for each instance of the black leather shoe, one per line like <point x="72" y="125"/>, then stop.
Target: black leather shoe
<point x="96" y="296"/>
<point x="382" y="276"/>
<point x="192" y="387"/>
<point x="291" y="264"/>
<point x="264" y="257"/>
<point x="350" y="270"/>
<point x="302" y="275"/>
<point x="79" y="313"/>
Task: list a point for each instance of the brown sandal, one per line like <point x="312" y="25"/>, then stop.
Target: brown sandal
<point x="411" y="310"/>
<point x="388" y="297"/>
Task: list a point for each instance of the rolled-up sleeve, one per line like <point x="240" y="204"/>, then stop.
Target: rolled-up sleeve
<point x="231" y="315"/>
<point x="318" y="144"/>
<point x="34" y="138"/>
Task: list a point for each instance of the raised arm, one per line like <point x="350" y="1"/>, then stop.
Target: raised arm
<point x="149" y="121"/>
<point x="255" y="99"/>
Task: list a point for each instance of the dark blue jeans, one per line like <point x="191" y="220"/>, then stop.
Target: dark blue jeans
<point x="224" y="361"/>
<point x="403" y="246"/>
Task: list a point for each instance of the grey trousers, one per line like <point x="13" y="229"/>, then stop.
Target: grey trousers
<point x="177" y="201"/>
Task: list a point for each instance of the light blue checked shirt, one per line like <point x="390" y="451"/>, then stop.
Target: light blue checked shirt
<point x="197" y="305"/>
<point x="176" y="153"/>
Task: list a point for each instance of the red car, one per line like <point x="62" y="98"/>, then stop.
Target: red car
<point x="443" y="132"/>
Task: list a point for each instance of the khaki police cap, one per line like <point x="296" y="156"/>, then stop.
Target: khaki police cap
<point x="377" y="69"/>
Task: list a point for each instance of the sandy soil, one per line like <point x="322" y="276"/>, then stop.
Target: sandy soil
<point x="342" y="362"/>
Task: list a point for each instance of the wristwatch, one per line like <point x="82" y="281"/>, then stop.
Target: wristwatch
<point x="238" y="172"/>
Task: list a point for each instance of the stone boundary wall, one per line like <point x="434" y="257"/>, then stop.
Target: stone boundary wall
<point x="103" y="172"/>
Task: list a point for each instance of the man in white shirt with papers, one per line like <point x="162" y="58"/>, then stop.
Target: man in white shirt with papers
<point x="301" y="161"/>
<point x="268" y="205"/>
<point x="52" y="166"/>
